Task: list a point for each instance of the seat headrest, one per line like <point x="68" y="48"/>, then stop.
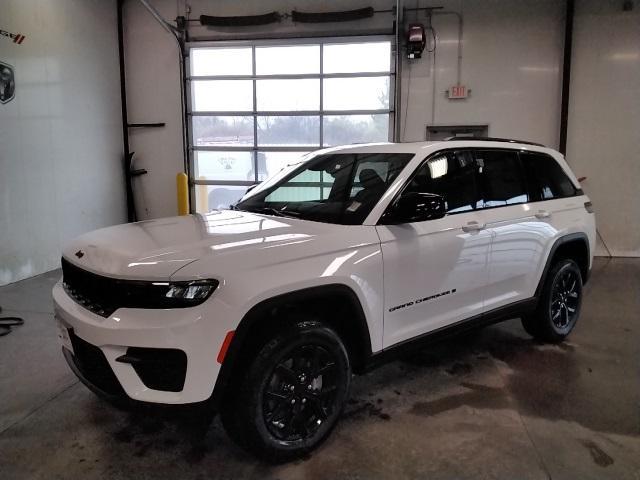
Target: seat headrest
<point x="369" y="178"/>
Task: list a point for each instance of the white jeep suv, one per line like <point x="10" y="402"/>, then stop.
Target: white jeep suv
<point x="334" y="264"/>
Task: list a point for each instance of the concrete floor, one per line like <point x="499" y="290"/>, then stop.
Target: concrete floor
<point x="492" y="404"/>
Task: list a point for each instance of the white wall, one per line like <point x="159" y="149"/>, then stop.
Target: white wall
<point x="61" y="137"/>
<point x="153" y="95"/>
<point x="604" y="118"/>
<point x="512" y="62"/>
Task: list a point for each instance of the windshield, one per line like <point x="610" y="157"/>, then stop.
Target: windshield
<point x="333" y="188"/>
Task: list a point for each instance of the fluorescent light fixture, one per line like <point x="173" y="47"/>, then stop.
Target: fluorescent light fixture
<point x="625" y="56"/>
<point x="538" y="69"/>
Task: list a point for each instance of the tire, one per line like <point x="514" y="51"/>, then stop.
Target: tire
<point x="292" y="394"/>
<point x="559" y="304"/>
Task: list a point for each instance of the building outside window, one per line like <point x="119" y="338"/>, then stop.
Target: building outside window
<point x="258" y="107"/>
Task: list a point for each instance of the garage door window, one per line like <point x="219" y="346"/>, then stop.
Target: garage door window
<point x="256" y="108"/>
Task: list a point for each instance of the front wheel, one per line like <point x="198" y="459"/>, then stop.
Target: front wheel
<point x="559" y="304"/>
<point x="293" y="394"/>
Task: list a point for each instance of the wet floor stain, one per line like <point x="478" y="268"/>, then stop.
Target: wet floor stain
<point x="169" y="442"/>
<point x="422" y="358"/>
<point x="475" y="396"/>
<point x="359" y="409"/>
<point x="197" y="453"/>
<point x="152" y="432"/>
<point x="459" y="369"/>
<point x="599" y="456"/>
<point x="141" y="451"/>
<point x="124" y="435"/>
<point x="540" y="380"/>
<point x="549" y="381"/>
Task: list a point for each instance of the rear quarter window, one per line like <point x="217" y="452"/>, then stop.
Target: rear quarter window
<point x="545" y="177"/>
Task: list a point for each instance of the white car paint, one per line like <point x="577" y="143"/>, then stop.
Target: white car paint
<point x="256" y="257"/>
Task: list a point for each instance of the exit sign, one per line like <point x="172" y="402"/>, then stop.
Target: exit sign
<point x="458" y="91"/>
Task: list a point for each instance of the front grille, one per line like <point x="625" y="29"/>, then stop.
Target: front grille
<point x="94" y="367"/>
<point x="94" y="292"/>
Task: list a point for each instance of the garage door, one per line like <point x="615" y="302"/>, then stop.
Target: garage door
<point x="256" y="107"/>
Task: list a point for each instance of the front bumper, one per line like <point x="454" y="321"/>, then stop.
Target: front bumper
<point x="101" y="343"/>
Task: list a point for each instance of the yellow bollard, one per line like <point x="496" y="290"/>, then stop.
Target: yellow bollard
<point x="182" y="182"/>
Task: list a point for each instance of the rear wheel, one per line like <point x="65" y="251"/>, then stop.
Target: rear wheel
<point x="559" y="304"/>
<point x="292" y="395"/>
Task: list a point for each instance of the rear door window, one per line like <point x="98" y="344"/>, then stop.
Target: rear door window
<point x="546" y="179"/>
<point x="501" y="179"/>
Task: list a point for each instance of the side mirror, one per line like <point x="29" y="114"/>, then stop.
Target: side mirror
<point x="416" y="207"/>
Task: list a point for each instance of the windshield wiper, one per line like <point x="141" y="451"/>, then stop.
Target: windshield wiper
<point x="273" y="211"/>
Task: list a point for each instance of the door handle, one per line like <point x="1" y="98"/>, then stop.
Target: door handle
<point x="543" y="214"/>
<point x="473" y="227"/>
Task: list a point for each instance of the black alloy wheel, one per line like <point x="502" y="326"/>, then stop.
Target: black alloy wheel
<point x="558" y="305"/>
<point x="300" y="394"/>
<point x="565" y="299"/>
<point x="288" y="398"/>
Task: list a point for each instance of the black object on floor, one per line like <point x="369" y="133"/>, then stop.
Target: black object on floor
<point x="7" y="322"/>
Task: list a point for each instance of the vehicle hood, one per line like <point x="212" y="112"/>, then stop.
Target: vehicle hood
<point x="157" y="249"/>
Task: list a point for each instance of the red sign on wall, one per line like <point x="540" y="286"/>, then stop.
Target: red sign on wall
<point x="16" y="37"/>
<point x="458" y="91"/>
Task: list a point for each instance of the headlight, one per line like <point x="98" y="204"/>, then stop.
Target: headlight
<point x="197" y="291"/>
<point x="104" y="295"/>
<point x="136" y="294"/>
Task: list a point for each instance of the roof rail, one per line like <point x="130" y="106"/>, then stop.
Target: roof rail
<point x="492" y="139"/>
